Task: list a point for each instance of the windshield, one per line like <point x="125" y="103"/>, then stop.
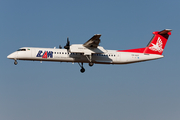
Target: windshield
<point x="21" y="50"/>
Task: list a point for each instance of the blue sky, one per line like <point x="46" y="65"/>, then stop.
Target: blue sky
<point x="50" y="90"/>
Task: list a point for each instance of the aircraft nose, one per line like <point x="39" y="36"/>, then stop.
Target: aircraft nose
<point x="11" y="56"/>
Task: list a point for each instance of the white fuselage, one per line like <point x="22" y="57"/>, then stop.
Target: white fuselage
<point x="64" y="55"/>
<point x="90" y="52"/>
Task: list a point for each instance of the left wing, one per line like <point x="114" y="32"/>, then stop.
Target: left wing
<point x="93" y="42"/>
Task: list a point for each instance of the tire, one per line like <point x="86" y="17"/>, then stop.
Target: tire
<point x="15" y="62"/>
<point x="91" y="64"/>
<point x="82" y="70"/>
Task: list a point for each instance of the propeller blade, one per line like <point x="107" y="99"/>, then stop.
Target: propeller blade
<point x="67" y="44"/>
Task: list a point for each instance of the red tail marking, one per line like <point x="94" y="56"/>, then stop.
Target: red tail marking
<point x="155" y="46"/>
<point x="138" y="50"/>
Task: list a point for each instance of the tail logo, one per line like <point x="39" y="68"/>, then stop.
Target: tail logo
<point x="157" y="46"/>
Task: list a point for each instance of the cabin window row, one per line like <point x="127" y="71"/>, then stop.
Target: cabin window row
<point x="104" y="55"/>
<point x="68" y="53"/>
<point x="110" y="55"/>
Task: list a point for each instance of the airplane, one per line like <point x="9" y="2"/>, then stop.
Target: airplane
<point x="90" y="52"/>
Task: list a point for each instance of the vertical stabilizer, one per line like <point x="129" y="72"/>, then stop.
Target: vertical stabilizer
<point x="158" y="42"/>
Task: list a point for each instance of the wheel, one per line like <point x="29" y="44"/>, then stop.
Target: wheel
<point x="15" y="62"/>
<point x="91" y="64"/>
<point x="82" y="70"/>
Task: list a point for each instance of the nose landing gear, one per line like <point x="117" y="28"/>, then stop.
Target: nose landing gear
<point x="15" y="62"/>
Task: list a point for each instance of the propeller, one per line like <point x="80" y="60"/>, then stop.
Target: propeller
<point x="67" y="46"/>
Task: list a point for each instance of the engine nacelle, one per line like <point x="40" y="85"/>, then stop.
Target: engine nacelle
<point x="79" y="48"/>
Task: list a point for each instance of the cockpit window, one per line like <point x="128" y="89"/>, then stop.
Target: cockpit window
<point x="21" y="50"/>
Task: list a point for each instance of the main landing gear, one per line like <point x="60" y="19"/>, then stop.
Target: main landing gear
<point x="15" y="62"/>
<point x="82" y="68"/>
<point x="91" y="64"/>
<point x="89" y="57"/>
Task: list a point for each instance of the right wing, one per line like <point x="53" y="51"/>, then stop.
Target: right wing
<point x="93" y="42"/>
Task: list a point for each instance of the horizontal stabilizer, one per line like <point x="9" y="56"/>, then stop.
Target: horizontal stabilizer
<point x="166" y="31"/>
